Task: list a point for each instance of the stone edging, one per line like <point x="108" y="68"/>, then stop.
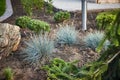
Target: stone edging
<point x="8" y="11"/>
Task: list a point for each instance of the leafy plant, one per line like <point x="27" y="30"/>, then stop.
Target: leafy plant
<point x="61" y="70"/>
<point x="112" y="55"/>
<point x="38" y="4"/>
<point x="107" y="67"/>
<point x="38" y="48"/>
<point x="61" y="16"/>
<point x="23" y="21"/>
<point x="33" y="24"/>
<point x="29" y="5"/>
<point x="92" y="40"/>
<point x="67" y="35"/>
<point x="8" y="73"/>
<point x="107" y="18"/>
<point x="49" y="6"/>
<point x="38" y="25"/>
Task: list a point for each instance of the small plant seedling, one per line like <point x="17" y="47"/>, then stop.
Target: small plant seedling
<point x="8" y="73"/>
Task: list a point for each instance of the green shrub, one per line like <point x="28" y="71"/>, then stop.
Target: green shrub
<point x="33" y="24"/>
<point x="106" y="18"/>
<point x="92" y="40"/>
<point x="22" y="21"/>
<point x="8" y="74"/>
<point x="61" y="70"/>
<point x="38" y="48"/>
<point x="38" y="26"/>
<point x="67" y="35"/>
<point x="61" y="16"/>
<point x="29" y="5"/>
<point x="49" y="6"/>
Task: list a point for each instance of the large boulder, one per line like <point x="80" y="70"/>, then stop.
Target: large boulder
<point x="9" y="38"/>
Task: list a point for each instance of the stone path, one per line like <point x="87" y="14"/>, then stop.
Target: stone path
<point x="73" y="5"/>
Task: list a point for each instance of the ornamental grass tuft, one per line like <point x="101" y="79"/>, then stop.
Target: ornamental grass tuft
<point x="67" y="35"/>
<point x="92" y="40"/>
<point x="38" y="48"/>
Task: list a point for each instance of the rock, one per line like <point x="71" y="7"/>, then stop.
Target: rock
<point x="9" y="38"/>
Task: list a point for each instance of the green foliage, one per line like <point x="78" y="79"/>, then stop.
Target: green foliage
<point x="2" y="6"/>
<point x="113" y="34"/>
<point x="92" y="71"/>
<point x="8" y="74"/>
<point x="29" y="5"/>
<point x="38" y="26"/>
<point x="23" y="21"/>
<point x="33" y="24"/>
<point x="61" y="16"/>
<point x="61" y="70"/>
<point x="49" y="7"/>
<point x="38" y="48"/>
<point x="107" y="18"/>
<point x="107" y="67"/>
<point x="92" y="40"/>
<point x="67" y="35"/>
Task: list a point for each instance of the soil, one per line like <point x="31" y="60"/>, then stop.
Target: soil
<point x="23" y="71"/>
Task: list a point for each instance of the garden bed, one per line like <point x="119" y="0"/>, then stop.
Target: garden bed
<point x="23" y="71"/>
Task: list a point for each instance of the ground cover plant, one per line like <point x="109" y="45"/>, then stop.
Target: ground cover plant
<point x="24" y="69"/>
<point x="2" y="6"/>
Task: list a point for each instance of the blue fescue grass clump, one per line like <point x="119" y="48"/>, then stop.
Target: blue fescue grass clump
<point x="38" y="47"/>
<point x="67" y="35"/>
<point x="92" y="40"/>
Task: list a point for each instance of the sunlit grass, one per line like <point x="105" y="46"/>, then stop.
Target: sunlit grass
<point x="2" y="7"/>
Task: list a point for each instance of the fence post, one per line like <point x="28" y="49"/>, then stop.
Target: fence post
<point x="84" y="15"/>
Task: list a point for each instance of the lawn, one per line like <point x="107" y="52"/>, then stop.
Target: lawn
<point x="2" y="7"/>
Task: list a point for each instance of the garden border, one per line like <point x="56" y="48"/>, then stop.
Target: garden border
<point x="8" y="12"/>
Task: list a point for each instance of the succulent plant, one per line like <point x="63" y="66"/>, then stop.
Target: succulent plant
<point x="67" y="35"/>
<point x="92" y="40"/>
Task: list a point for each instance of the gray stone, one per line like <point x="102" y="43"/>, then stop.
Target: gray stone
<point x="9" y="39"/>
